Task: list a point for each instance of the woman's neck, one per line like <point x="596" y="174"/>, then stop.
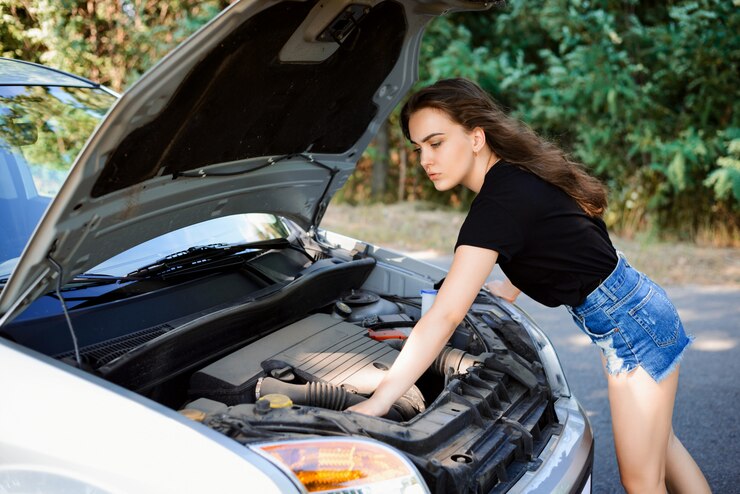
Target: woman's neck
<point x="484" y="164"/>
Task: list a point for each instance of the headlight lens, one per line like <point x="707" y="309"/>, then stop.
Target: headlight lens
<point x="345" y="465"/>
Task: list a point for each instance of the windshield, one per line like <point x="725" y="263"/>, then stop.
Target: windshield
<point x="42" y="129"/>
<point x="230" y="230"/>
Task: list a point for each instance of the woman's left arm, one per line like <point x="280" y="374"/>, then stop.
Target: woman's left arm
<point x="504" y="289"/>
<point x="470" y="268"/>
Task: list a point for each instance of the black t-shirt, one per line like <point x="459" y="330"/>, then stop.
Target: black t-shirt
<point x="547" y="245"/>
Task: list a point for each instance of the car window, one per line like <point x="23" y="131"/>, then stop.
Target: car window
<point x="42" y="129"/>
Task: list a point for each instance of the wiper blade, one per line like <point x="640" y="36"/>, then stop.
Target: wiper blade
<point x="202" y="257"/>
<point x="99" y="277"/>
<point x="85" y="280"/>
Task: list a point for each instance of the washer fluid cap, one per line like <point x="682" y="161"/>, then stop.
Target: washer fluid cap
<point x="277" y="400"/>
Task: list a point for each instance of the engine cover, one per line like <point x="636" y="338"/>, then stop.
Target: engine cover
<point x="325" y="348"/>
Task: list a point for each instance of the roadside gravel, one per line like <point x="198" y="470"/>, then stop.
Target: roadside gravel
<point x="428" y="232"/>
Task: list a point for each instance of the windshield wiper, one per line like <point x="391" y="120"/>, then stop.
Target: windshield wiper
<point x="85" y="280"/>
<point x="194" y="259"/>
<point x="205" y="257"/>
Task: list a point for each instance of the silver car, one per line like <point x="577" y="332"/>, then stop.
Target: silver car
<point x="174" y="319"/>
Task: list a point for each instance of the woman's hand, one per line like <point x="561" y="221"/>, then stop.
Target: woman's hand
<point x="372" y="406"/>
<point x="504" y="289"/>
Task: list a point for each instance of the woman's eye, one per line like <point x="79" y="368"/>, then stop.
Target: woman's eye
<point x="436" y="144"/>
<point x="416" y="150"/>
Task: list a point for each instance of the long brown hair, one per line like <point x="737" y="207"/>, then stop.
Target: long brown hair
<point x="470" y="106"/>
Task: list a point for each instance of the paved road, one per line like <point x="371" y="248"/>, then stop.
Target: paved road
<point x="707" y="411"/>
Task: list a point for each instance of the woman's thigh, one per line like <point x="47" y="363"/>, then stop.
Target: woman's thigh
<point x="642" y="411"/>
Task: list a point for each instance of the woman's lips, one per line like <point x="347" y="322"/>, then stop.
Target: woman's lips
<point x="433" y="176"/>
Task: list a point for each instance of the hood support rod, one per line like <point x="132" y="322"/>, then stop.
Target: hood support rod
<point x="60" y="272"/>
<point x="320" y="208"/>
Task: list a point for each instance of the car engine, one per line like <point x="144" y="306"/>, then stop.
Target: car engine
<point x="319" y="349"/>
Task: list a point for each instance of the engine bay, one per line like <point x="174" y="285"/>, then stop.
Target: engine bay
<point x="484" y="400"/>
<point x="334" y="360"/>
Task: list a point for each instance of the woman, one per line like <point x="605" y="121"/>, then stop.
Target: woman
<point x="538" y="215"/>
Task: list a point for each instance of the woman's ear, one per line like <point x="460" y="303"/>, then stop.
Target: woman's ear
<point x="479" y="139"/>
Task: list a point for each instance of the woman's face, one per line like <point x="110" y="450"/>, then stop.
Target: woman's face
<point x="444" y="148"/>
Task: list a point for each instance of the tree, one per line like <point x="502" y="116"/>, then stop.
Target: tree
<point x="109" y="41"/>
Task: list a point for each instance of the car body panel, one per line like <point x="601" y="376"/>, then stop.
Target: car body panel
<point x="129" y="443"/>
<point x="563" y="457"/>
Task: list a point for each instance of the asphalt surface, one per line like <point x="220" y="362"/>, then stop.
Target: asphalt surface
<point x="706" y="416"/>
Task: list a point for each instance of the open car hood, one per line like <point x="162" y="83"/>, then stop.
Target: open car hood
<point x="265" y="109"/>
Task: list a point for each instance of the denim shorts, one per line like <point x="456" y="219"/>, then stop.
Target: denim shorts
<point x="631" y="319"/>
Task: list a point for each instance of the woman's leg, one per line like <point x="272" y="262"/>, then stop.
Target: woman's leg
<point x="682" y="474"/>
<point x="647" y="450"/>
<point x="642" y="411"/>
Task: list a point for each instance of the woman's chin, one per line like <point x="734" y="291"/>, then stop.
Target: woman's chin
<point x="442" y="186"/>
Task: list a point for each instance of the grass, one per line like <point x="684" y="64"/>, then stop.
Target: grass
<point x="420" y="227"/>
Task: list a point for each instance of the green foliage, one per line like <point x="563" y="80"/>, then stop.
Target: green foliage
<point x="644" y="95"/>
<point x="725" y="180"/>
<point x="109" y="41"/>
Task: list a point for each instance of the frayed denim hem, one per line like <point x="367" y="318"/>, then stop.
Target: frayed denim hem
<point x="676" y="361"/>
<point x="622" y="370"/>
<point x="623" y="367"/>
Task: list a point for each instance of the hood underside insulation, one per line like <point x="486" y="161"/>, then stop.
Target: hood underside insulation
<point x="242" y="102"/>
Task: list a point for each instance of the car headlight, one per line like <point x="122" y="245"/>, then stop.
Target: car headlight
<point x="340" y="465"/>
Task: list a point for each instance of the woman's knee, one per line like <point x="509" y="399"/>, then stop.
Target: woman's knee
<point x="641" y="471"/>
<point x="643" y="481"/>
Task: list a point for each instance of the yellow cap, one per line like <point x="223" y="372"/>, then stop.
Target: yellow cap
<point x="192" y="414"/>
<point x="277" y="400"/>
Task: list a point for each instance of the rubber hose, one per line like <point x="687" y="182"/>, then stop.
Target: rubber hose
<point x="321" y="395"/>
<point x="459" y="360"/>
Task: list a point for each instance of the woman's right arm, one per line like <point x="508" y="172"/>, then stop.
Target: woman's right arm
<point x="470" y="267"/>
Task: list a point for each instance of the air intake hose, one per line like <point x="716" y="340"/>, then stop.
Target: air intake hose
<point x="458" y="360"/>
<point x="315" y="394"/>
